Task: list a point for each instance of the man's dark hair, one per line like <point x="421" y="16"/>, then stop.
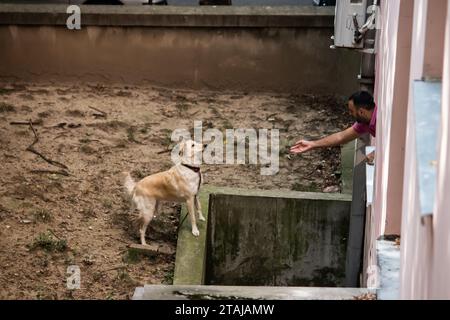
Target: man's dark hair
<point x="362" y="99"/>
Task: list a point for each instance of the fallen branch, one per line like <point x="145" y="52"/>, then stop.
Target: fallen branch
<point x="164" y="151"/>
<point x="61" y="125"/>
<point x="25" y="123"/>
<point x="120" y="240"/>
<point x="31" y="149"/>
<point x="101" y="114"/>
<point x="64" y="135"/>
<point x="69" y="125"/>
<point x="195" y="113"/>
<point x="61" y="172"/>
<point x="120" y="266"/>
<point x="150" y="249"/>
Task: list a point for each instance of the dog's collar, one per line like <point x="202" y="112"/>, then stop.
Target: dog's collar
<point x="195" y="169"/>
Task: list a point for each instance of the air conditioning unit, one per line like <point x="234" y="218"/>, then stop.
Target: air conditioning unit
<point x="350" y="17"/>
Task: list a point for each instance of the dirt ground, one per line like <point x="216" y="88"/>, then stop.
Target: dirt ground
<point x="49" y="221"/>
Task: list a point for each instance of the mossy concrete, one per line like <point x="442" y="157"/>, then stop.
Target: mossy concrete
<point x="191" y="251"/>
<point x="280" y="228"/>
<point x="347" y="164"/>
<point x="267" y="241"/>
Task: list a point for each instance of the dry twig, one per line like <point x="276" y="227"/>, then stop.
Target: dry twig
<point x="25" y="123"/>
<point x="61" y="172"/>
<point x="100" y="114"/>
<point x="31" y="149"/>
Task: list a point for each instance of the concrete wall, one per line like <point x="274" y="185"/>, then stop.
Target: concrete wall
<point x="275" y="49"/>
<point x="297" y="241"/>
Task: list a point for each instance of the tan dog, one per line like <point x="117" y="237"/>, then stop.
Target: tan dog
<point x="181" y="183"/>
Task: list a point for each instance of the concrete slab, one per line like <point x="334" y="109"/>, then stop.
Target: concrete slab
<point x="171" y="16"/>
<point x="150" y="249"/>
<point x="347" y="164"/>
<point x="162" y="292"/>
<point x="358" y="214"/>
<point x="388" y="257"/>
<point x="191" y="251"/>
<point x="278" y="193"/>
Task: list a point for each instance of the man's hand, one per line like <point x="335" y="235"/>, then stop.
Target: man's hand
<point x="303" y="146"/>
<point x="336" y="139"/>
<point x="370" y="158"/>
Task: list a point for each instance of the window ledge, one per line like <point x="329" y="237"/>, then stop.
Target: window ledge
<point x="370" y="176"/>
<point x="427" y="114"/>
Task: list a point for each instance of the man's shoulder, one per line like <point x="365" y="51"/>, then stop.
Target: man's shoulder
<point x="360" y="127"/>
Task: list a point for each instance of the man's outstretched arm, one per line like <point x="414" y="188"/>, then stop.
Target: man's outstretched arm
<point x="330" y="141"/>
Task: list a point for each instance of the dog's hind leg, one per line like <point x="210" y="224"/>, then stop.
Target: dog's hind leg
<point x="146" y="209"/>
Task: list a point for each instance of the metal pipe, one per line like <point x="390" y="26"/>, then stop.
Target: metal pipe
<point x="367" y="70"/>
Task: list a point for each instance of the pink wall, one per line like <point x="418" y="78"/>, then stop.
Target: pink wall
<point x="434" y="39"/>
<point x="420" y="250"/>
<point x="425" y="242"/>
<point x="393" y="61"/>
<point x="391" y="95"/>
<point x="416" y="234"/>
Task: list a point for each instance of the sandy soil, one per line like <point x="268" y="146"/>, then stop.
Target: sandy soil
<point x="49" y="221"/>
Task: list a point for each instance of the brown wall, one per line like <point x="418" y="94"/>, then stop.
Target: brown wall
<point x="248" y="59"/>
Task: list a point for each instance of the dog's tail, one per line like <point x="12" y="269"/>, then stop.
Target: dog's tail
<point x="129" y="183"/>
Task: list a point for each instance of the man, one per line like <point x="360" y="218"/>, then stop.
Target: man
<point x="362" y="107"/>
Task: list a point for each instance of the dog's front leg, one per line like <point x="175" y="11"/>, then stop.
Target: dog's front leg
<point x="199" y="209"/>
<point x="190" y="205"/>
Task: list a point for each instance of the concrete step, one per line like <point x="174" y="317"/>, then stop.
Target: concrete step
<point x="186" y="292"/>
<point x="150" y="249"/>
